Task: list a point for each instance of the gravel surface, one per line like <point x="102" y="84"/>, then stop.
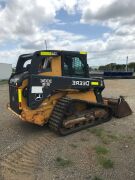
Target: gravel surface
<point x="30" y="152"/>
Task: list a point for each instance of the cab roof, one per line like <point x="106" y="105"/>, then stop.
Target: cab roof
<point x="59" y="52"/>
<point x="53" y="53"/>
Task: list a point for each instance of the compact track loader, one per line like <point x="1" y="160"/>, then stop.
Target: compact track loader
<point x="54" y="88"/>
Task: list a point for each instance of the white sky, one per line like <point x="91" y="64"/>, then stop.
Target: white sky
<point x="106" y="29"/>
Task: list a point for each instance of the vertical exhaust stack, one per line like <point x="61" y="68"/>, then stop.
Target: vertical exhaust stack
<point x="119" y="107"/>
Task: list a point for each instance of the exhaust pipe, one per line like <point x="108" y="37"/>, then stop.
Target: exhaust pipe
<point x="119" y="107"/>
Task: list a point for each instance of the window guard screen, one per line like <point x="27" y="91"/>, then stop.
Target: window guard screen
<point x="74" y="66"/>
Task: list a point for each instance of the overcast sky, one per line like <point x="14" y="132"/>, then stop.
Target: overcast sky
<point x="103" y="28"/>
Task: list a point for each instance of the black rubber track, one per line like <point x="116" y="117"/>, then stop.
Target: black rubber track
<point x="58" y="116"/>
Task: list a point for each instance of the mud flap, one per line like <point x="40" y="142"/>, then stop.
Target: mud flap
<point x="119" y="107"/>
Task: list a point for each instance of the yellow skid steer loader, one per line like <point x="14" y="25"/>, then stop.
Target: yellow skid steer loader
<point x="54" y="88"/>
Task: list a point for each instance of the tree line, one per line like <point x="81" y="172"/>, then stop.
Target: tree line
<point x="117" y="67"/>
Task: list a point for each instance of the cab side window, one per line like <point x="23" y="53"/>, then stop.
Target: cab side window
<point x="77" y="66"/>
<point x="45" y="65"/>
<point x="67" y="66"/>
<point x="27" y="65"/>
<point x="74" y="66"/>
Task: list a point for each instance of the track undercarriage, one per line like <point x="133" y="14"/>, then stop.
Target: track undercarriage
<point x="70" y="116"/>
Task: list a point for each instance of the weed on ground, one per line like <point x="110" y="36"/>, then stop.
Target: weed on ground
<point x="105" y="136"/>
<point x="105" y="162"/>
<point x="97" y="178"/>
<point x="62" y="162"/>
<point x="83" y="139"/>
<point x="101" y="150"/>
<point x="73" y="145"/>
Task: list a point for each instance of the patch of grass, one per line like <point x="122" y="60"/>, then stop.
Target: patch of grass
<point x="105" y="162"/>
<point x="3" y="82"/>
<point x="129" y="137"/>
<point x="97" y="131"/>
<point x="62" y="162"/>
<point x="100" y="133"/>
<point x="105" y="136"/>
<point x="83" y="139"/>
<point x="97" y="178"/>
<point x="126" y="138"/>
<point x="105" y="139"/>
<point x="101" y="150"/>
<point x="108" y="138"/>
<point x="73" y="145"/>
<point x="113" y="137"/>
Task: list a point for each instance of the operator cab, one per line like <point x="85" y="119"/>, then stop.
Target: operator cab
<point x="52" y="63"/>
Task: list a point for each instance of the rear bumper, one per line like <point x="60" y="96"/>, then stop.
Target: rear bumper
<point x="9" y="108"/>
<point x="35" y="121"/>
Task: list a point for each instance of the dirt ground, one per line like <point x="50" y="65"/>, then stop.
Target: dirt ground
<point x="107" y="152"/>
